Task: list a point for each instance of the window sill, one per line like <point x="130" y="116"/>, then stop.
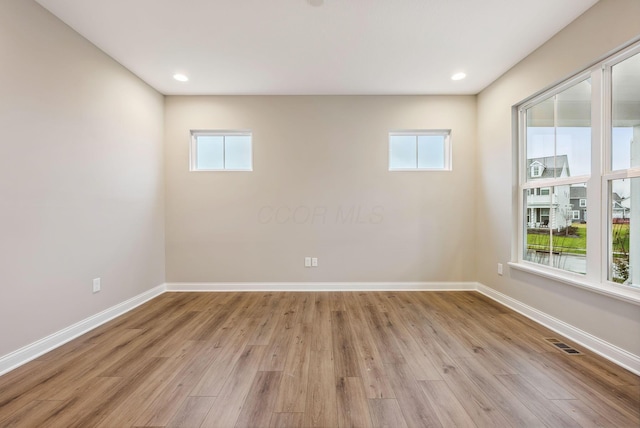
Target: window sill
<point x="420" y="169"/>
<point x="221" y="170"/>
<point x="624" y="293"/>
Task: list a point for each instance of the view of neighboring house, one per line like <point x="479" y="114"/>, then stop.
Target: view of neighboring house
<point x="621" y="209"/>
<point x="549" y="207"/>
<point x="578" y="200"/>
<point x="548" y="167"/>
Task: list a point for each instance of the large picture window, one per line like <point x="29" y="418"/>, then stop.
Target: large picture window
<point x="579" y="146"/>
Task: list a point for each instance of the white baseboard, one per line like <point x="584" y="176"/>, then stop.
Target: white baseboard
<point x="611" y="352"/>
<point x="34" y="350"/>
<point x="321" y="286"/>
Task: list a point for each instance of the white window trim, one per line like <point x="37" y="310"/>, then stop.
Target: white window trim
<point x="193" y="160"/>
<point x="582" y="203"/>
<point x="596" y="278"/>
<point x="446" y="133"/>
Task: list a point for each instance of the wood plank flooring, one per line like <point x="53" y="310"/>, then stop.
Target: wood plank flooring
<point x="352" y="359"/>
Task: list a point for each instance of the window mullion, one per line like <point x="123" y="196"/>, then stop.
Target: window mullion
<point x="522" y="210"/>
<point x="556" y="182"/>
<point x="595" y="205"/>
<point x="224" y="153"/>
<point x="552" y="190"/>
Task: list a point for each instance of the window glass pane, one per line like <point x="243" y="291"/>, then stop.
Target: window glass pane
<point x="556" y="232"/>
<point x="540" y="140"/>
<point x="537" y="247"/>
<point x="402" y="152"/>
<point x="209" y="152"/>
<point x="573" y="130"/>
<point x="558" y="134"/>
<point x="624" y="245"/>
<point x="431" y="151"/>
<point x="625" y="103"/>
<point x="237" y="152"/>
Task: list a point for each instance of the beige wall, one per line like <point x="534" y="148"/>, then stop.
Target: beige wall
<point x="603" y="28"/>
<point x="81" y="184"/>
<point x="316" y="159"/>
<point x="81" y="192"/>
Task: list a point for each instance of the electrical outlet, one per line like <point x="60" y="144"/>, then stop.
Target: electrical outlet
<point x="307" y="262"/>
<point x="314" y="262"/>
<point x="96" y="285"/>
<point x="499" y="268"/>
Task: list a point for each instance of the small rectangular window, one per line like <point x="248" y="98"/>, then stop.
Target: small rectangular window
<point x="221" y="151"/>
<point x="427" y="150"/>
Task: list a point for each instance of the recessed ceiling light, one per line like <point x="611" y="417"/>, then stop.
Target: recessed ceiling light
<point x="458" y="76"/>
<point x="315" y="3"/>
<point x="180" y="77"/>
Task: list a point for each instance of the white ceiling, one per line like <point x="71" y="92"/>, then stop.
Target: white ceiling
<point x="341" y="47"/>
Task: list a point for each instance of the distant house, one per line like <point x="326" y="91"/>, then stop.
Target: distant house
<point x="547" y="208"/>
<point x="548" y="167"/>
<point x="578" y="200"/>
<point x="621" y="208"/>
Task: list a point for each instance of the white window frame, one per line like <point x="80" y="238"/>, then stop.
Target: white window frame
<point x="598" y="210"/>
<point x="446" y="133"/>
<point x="193" y="152"/>
<point x="583" y="203"/>
<point x="575" y="215"/>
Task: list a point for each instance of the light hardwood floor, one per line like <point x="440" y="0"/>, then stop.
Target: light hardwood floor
<point x="386" y="359"/>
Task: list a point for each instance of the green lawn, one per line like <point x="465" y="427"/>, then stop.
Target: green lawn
<point x="620" y="234"/>
<point x="577" y="244"/>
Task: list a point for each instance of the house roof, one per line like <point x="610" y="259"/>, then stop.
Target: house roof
<point x="620" y="206"/>
<point x="553" y="166"/>
<point x="619" y="202"/>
